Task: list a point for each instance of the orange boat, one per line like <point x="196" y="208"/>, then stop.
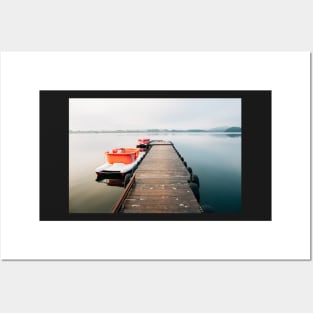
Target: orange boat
<point x="119" y="162"/>
<point x="122" y="155"/>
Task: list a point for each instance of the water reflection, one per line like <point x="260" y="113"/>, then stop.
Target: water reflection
<point x="215" y="158"/>
<point x="115" y="182"/>
<point x="231" y="135"/>
<point x="207" y="208"/>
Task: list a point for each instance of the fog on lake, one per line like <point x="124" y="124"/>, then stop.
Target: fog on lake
<point x="214" y="157"/>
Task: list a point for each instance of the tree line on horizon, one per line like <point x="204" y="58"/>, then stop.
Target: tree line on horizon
<point x="234" y="129"/>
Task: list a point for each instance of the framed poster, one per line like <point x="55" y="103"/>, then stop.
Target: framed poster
<point x="228" y="116"/>
<point x="233" y="162"/>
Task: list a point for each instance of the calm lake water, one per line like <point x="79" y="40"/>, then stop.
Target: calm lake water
<point x="214" y="157"/>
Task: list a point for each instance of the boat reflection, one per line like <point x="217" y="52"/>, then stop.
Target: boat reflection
<point x="115" y="182"/>
<point x="118" y="182"/>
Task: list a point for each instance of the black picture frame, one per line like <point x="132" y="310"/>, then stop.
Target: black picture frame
<point x="256" y="148"/>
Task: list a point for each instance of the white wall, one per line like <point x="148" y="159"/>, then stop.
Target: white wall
<point x="254" y="286"/>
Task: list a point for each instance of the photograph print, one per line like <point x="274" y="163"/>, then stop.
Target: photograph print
<point x="156" y="155"/>
<point x="168" y="156"/>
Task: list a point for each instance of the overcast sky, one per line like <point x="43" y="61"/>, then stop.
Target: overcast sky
<point x="114" y="114"/>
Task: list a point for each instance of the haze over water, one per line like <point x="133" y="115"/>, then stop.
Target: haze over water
<point x="214" y="157"/>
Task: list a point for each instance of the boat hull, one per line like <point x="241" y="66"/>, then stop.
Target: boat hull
<point x="110" y="175"/>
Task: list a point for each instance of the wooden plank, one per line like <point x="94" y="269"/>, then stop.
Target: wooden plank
<point x="159" y="209"/>
<point x="161" y="184"/>
<point x="171" y="198"/>
<point x="149" y="207"/>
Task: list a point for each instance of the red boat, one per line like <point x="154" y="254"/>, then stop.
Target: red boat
<point x="143" y="143"/>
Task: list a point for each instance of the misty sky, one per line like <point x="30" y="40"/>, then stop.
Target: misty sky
<point x="114" y="114"/>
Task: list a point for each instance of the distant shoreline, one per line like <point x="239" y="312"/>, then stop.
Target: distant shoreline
<point x="146" y="131"/>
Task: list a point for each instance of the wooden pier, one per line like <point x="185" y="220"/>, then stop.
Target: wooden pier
<point x="160" y="184"/>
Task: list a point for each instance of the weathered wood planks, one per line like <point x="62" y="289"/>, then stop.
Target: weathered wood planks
<point x="161" y="184"/>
